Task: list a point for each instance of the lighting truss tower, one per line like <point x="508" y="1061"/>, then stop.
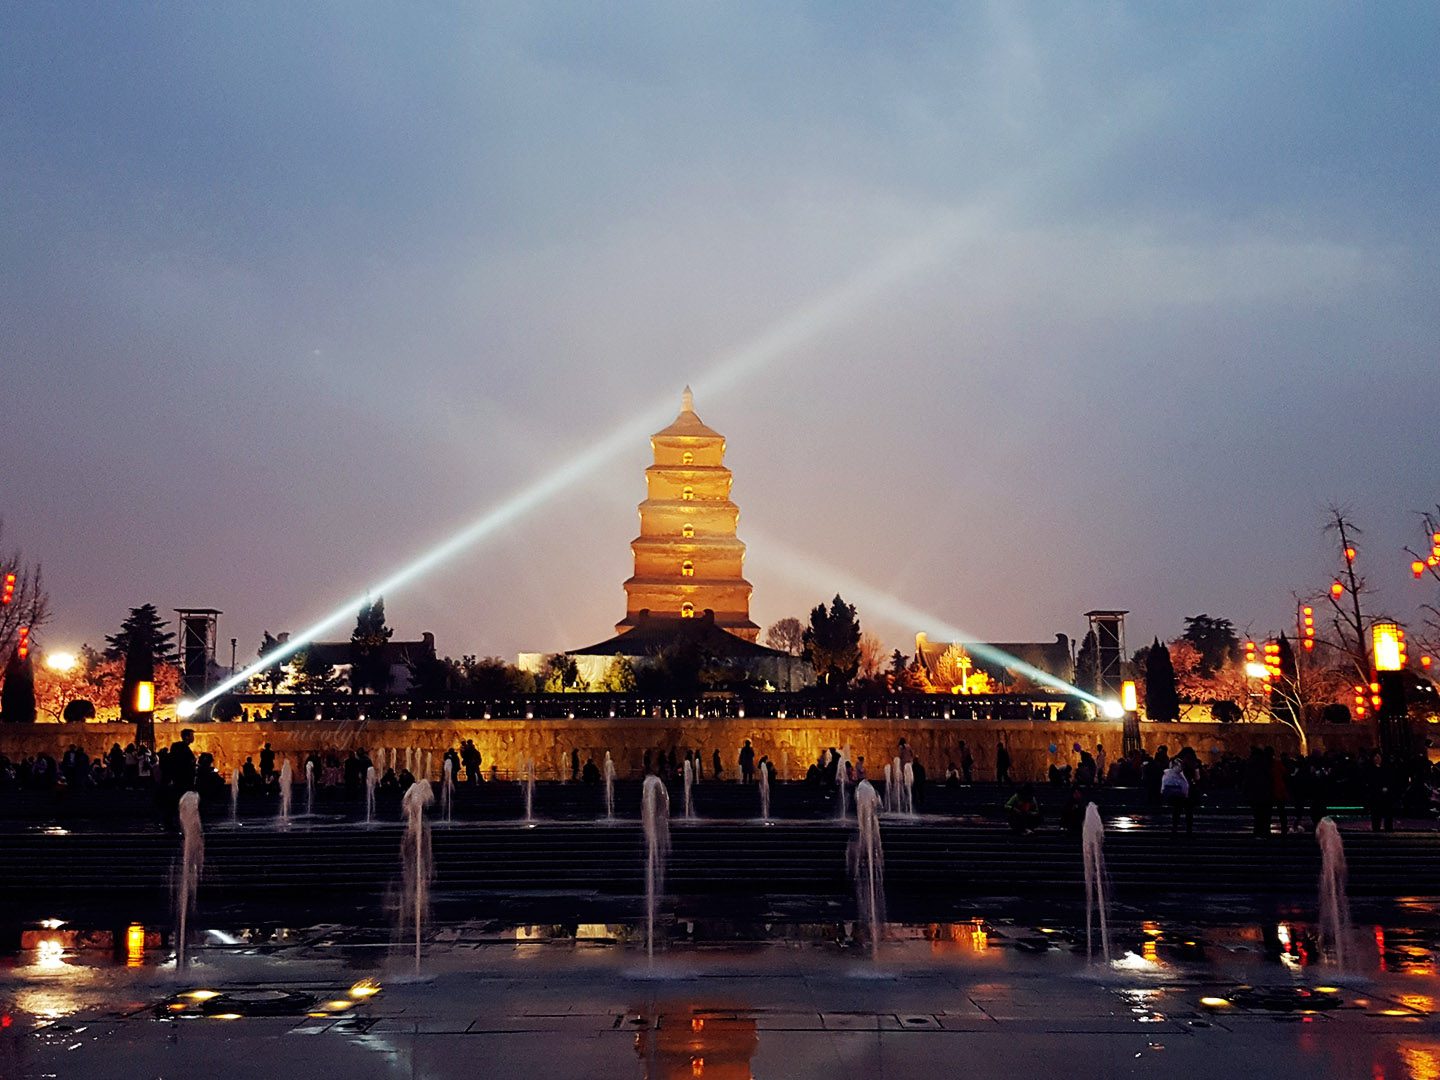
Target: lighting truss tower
<point x="198" y="627"/>
<point x="1109" y="630"/>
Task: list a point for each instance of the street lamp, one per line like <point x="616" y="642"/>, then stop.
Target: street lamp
<point x="1388" y="649"/>
<point x="1129" y="706"/>
<point x="62" y="662"/>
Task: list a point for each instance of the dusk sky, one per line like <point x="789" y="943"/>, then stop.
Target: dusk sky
<point x="1007" y="311"/>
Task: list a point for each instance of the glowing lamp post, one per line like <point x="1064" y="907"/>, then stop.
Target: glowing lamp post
<point x="1385" y="637"/>
<point x="137" y="691"/>
<point x="1387" y="642"/>
<point x="1129" y="709"/>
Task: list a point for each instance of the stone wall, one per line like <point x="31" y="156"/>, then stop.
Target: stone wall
<point x="795" y="743"/>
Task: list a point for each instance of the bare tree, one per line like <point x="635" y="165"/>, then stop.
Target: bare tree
<point x="787" y="635"/>
<point x="1348" y="619"/>
<point x="27" y="604"/>
<point x="1300" y="688"/>
<point x="1428" y="565"/>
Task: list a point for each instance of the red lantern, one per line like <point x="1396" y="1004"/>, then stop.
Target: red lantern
<point x="1337" y="590"/>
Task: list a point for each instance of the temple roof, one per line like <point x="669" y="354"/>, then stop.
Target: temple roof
<point x="394" y="652"/>
<point x="653" y="634"/>
<point x="688" y="424"/>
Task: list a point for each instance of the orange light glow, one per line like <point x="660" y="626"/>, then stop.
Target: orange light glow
<point x="1336" y="589"/>
<point x="134" y="945"/>
<point x="1349" y="554"/>
<point x="1417" y="568"/>
<point x="1386" y="638"/>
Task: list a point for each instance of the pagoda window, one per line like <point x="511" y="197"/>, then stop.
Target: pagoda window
<point x="687" y="569"/>
<point x="687" y="530"/>
<point x="687" y="458"/>
<point x="687" y="493"/>
<point x="687" y="610"/>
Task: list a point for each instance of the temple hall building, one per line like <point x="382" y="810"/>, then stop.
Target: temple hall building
<point x="689" y="586"/>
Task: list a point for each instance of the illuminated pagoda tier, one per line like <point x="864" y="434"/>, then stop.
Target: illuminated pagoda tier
<point x="688" y="559"/>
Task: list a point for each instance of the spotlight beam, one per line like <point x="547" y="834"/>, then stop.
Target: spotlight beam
<point x="778" y="343"/>
<point x="807" y="567"/>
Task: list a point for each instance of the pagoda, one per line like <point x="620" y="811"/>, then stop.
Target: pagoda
<point x="688" y="559"/>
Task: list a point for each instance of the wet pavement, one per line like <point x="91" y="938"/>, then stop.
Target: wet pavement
<point x="1219" y="994"/>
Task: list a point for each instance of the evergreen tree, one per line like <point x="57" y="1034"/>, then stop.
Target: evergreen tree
<point x="619" y="677"/>
<point x="369" y="662"/>
<point x="273" y="675"/>
<point x="311" y="675"/>
<point x="145" y="626"/>
<point x="1215" y="639"/>
<point x="832" y="643"/>
<point x="1162" y="701"/>
<point x="432" y="676"/>
<point x="17" y="696"/>
<point x="1087" y="665"/>
<point x="78" y="711"/>
<point x="562" y="675"/>
<point x="492" y="677"/>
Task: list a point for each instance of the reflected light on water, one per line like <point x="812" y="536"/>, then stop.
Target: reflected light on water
<point x="47" y="1002"/>
<point x="50" y="954"/>
<point x="1421" y="1062"/>
<point x="719" y="1046"/>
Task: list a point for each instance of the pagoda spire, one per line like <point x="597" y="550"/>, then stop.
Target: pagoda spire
<point x="688" y="559"/>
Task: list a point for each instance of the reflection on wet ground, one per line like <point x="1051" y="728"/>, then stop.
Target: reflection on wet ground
<point x="1192" y="995"/>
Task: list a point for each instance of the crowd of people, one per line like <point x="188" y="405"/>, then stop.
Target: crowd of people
<point x="1282" y="791"/>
